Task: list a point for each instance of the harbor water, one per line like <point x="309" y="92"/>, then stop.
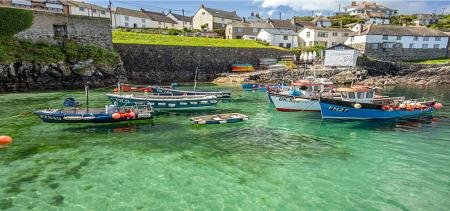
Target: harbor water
<point x="273" y="161"/>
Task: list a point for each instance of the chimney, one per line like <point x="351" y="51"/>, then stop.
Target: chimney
<point x="252" y="14"/>
<point x="202" y="6"/>
<point x="234" y="12"/>
<point x="257" y="15"/>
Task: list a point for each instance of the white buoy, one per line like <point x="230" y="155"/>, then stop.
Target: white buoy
<point x="357" y="106"/>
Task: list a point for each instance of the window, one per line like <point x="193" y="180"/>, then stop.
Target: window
<point x="143" y="25"/>
<point x="103" y="12"/>
<point x="322" y="34"/>
<point x="81" y="8"/>
<point x="424" y="45"/>
<point x="374" y="22"/>
<point x="416" y="38"/>
<point x="203" y="13"/>
<point x="344" y="94"/>
<point x="60" y="30"/>
<point x="126" y="24"/>
<point x="308" y="34"/>
<point x="288" y="45"/>
<point x="285" y="37"/>
<point x="159" y="23"/>
<point x="280" y="45"/>
<point x="335" y="34"/>
<point x="333" y="43"/>
<point x="437" y="39"/>
<point x="94" y="10"/>
<point x="143" y="20"/>
<point x="385" y="37"/>
<point x="360" y="95"/>
<point x="352" y="39"/>
<point x="411" y="45"/>
<point x="399" y="37"/>
<point x="369" y="95"/>
<point x="397" y="45"/>
<point x="388" y="45"/>
<point x="127" y="18"/>
<point x="426" y="38"/>
<point x="255" y="30"/>
<point x="351" y="95"/>
<point x="240" y="29"/>
<point x="224" y="25"/>
<point x="436" y="46"/>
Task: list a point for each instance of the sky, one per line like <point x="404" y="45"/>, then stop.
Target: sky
<point x="273" y="8"/>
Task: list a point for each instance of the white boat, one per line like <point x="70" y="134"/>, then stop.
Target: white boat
<point x="303" y="95"/>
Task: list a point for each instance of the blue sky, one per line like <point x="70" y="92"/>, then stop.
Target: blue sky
<point x="272" y="8"/>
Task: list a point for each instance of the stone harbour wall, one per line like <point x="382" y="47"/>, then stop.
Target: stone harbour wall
<point x="158" y="64"/>
<point x="81" y="29"/>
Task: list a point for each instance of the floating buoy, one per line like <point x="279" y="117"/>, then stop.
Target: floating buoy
<point x="4" y="140"/>
<point x="115" y="116"/>
<point x="403" y="106"/>
<point x="390" y="109"/>
<point x="132" y="115"/>
<point x="357" y="106"/>
<point x="438" y="106"/>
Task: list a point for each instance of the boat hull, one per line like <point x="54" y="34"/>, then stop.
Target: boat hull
<point x="166" y="91"/>
<point x="62" y="117"/>
<point x="333" y="111"/>
<point x="294" y="104"/>
<point x="160" y="103"/>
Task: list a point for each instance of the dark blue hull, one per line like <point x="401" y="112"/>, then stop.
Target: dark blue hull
<point x="63" y="117"/>
<point x="159" y="103"/>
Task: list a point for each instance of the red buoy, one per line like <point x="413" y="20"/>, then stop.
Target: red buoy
<point x="4" y="140"/>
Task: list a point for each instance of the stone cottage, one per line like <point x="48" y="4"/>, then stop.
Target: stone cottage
<point x="210" y="18"/>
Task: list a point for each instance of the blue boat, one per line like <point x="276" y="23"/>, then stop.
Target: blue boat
<point x="164" y="102"/>
<point x="362" y="103"/>
<point x="254" y="86"/>
<point x="168" y="91"/>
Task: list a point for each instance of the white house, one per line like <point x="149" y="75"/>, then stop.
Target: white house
<point x="182" y="21"/>
<point x="87" y="9"/>
<point x="285" y="38"/>
<point x="360" y="8"/>
<point x="399" y="42"/>
<point x="127" y="18"/>
<point x="209" y="18"/>
<point x="376" y="18"/>
<point x="341" y="55"/>
<point x="328" y="37"/>
<point x="425" y="19"/>
<point x="161" y="19"/>
<point x="322" y="21"/>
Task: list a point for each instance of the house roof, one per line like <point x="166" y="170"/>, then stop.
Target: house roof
<point x="287" y="24"/>
<point x="222" y="13"/>
<point x="369" y="15"/>
<point x="128" y="12"/>
<point x="329" y="29"/>
<point x="251" y="24"/>
<point x="320" y="19"/>
<point x="400" y="31"/>
<point x="305" y="23"/>
<point x="84" y="4"/>
<point x="180" y="17"/>
<point x="157" y="16"/>
<point x="340" y="45"/>
<point x="280" y="32"/>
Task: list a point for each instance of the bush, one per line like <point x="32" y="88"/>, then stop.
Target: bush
<point x="75" y="52"/>
<point x="300" y="50"/>
<point x="13" y="21"/>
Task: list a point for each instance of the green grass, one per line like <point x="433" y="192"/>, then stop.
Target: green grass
<point x="120" y="37"/>
<point x="434" y="61"/>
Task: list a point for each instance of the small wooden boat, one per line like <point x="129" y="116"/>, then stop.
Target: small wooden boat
<point x="164" y="102"/>
<point x="242" y="68"/>
<point x="219" y="118"/>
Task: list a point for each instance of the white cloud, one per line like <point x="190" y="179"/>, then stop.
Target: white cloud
<point x="301" y="5"/>
<point x="270" y="13"/>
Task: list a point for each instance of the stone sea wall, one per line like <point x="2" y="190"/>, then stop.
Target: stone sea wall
<point x="158" y="64"/>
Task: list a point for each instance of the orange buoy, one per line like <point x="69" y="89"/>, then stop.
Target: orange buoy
<point x="115" y="116"/>
<point x="132" y="115"/>
<point x="438" y="106"/>
<point x="4" y="140"/>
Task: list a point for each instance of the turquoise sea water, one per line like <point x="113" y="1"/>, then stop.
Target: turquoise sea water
<point x="274" y="161"/>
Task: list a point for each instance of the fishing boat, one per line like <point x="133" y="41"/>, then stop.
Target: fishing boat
<point x="137" y="88"/>
<point x="169" y="91"/>
<point x="164" y="102"/>
<point x="219" y="118"/>
<point x="302" y="95"/>
<point x="254" y="86"/>
<point x="362" y="103"/>
<point x="242" y="68"/>
<point x="110" y="114"/>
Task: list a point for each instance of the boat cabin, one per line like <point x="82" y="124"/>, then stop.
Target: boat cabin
<point x="357" y="94"/>
<point x="311" y="86"/>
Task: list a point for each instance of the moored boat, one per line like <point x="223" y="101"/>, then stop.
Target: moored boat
<point x="164" y="102"/>
<point x="362" y="103"/>
<point x="219" y="118"/>
<point x="169" y="91"/>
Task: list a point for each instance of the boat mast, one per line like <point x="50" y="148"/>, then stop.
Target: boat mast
<point x="86" y="89"/>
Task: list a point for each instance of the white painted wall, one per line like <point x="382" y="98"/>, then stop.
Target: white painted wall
<point x="341" y="58"/>
<point x="75" y="10"/>
<point x="404" y="40"/>
<point x="378" y="21"/>
<point x="119" y="21"/>
<point x="179" y="24"/>
<point x="275" y="40"/>
<point x="202" y="17"/>
<point x="313" y="37"/>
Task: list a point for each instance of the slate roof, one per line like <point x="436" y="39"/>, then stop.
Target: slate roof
<point x="320" y="19"/>
<point x="305" y="23"/>
<point x="330" y="29"/>
<point x="282" y="24"/>
<point x="85" y="5"/>
<point x="157" y="16"/>
<point x="339" y="45"/>
<point x="133" y="13"/>
<point x="281" y="32"/>
<point x="251" y="24"/>
<point x="180" y="17"/>
<point x="222" y="13"/>
<point x="401" y="31"/>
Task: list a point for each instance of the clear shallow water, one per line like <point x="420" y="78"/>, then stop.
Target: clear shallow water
<point x="283" y="161"/>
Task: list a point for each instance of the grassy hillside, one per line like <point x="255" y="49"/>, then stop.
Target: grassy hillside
<point x="120" y="37"/>
<point x="434" y="61"/>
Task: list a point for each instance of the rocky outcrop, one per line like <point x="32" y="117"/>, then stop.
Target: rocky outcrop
<point x="22" y="76"/>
